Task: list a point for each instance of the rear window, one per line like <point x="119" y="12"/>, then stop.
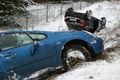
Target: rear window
<point x="38" y="36"/>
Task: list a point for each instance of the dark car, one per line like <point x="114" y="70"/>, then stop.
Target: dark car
<point x="83" y="21"/>
<point x="24" y="52"/>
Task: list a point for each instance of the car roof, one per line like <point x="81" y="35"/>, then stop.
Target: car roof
<point x="23" y="31"/>
<point x="48" y="33"/>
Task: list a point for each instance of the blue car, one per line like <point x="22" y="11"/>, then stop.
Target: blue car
<point x="25" y="52"/>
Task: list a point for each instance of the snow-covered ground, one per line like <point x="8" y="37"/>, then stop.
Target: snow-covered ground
<point x="107" y="68"/>
<point x="47" y="12"/>
<point x="106" y="9"/>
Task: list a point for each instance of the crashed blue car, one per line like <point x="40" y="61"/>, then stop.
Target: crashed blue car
<point x="25" y="52"/>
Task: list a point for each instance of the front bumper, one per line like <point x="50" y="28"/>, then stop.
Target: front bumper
<point x="97" y="45"/>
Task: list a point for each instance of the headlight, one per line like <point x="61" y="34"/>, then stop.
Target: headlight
<point x="90" y="34"/>
<point x="93" y="42"/>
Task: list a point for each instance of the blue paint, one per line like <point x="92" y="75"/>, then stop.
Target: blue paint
<point x="28" y="58"/>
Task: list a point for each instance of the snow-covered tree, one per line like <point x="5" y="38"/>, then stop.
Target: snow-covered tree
<point x="12" y="7"/>
<point x="9" y="8"/>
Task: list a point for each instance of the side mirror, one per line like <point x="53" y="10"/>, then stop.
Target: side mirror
<point x="36" y="44"/>
<point x="35" y="47"/>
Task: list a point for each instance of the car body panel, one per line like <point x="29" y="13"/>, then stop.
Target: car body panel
<point x="26" y="59"/>
<point x="96" y="43"/>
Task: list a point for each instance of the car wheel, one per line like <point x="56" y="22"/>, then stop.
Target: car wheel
<point x="103" y="23"/>
<point x="89" y="14"/>
<point x="70" y="10"/>
<point x="74" y="55"/>
<point x="99" y="27"/>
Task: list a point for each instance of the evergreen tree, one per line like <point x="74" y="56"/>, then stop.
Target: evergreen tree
<point x="12" y="7"/>
<point x="8" y="8"/>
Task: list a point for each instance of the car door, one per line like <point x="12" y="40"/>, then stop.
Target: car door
<point x="45" y="53"/>
<point x="21" y="55"/>
<point x="16" y="49"/>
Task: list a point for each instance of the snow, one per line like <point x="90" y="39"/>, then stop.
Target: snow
<point x="58" y="25"/>
<point x="38" y="73"/>
<point x="42" y="13"/>
<point x="106" y="69"/>
<point x="99" y="70"/>
<point x="102" y="69"/>
<point x="104" y="9"/>
<point x="35" y="6"/>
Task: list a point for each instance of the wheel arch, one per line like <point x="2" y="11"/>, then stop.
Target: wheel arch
<point x="78" y="42"/>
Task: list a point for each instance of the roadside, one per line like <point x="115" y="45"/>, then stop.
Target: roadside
<point x="105" y="68"/>
<point x="108" y="66"/>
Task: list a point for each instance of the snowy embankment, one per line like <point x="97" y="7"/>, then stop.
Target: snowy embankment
<point x="106" y="9"/>
<point x="109" y="67"/>
<point x="58" y="25"/>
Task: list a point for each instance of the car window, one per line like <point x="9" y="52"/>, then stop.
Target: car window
<point x="23" y="39"/>
<point x="9" y="41"/>
<point x="38" y="36"/>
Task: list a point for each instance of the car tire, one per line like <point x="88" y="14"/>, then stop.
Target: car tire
<point x="99" y="26"/>
<point x="74" y="55"/>
<point x="89" y="14"/>
<point x="103" y="23"/>
<point x="70" y="10"/>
